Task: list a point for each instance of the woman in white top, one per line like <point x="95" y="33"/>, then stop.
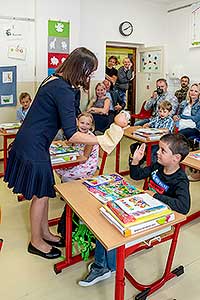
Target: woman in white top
<point x="188" y="117"/>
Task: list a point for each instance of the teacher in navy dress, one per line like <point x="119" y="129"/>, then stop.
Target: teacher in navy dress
<point x="29" y="168"/>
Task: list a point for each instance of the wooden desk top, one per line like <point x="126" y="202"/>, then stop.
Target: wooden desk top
<point x="87" y="208"/>
<point x="192" y="162"/>
<point x="9" y="133"/>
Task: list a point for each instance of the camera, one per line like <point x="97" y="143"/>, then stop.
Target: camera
<point x="159" y="91"/>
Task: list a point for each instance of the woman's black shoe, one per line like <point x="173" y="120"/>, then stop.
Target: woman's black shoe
<point x="60" y="243"/>
<point x="53" y="253"/>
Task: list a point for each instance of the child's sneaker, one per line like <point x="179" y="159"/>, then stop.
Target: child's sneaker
<point x="95" y="276"/>
<point x="90" y="267"/>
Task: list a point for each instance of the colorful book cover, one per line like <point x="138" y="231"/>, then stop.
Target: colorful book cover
<point x="59" y="149"/>
<point x="140" y="219"/>
<point x="120" y="213"/>
<point x="102" y="179"/>
<point x="113" y="191"/>
<point x="134" y="229"/>
<point x="141" y="205"/>
<point x="195" y="155"/>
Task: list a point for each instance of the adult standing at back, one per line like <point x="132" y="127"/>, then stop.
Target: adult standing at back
<point x="182" y="92"/>
<point x="111" y="72"/>
<point x="124" y="76"/>
<point x="29" y="168"/>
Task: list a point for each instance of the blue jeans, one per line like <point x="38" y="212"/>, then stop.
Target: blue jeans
<point x="122" y="95"/>
<point x="103" y="258"/>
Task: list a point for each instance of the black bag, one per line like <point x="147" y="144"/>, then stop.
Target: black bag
<point x="62" y="223"/>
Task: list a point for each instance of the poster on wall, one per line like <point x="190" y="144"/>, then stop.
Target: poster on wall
<point x="150" y="62"/>
<point x="8" y="79"/>
<point x="58" y="43"/>
<point x="195" y="42"/>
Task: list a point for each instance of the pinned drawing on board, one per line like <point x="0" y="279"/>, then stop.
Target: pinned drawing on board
<point x="7" y="100"/>
<point x="7" y="77"/>
<point x="150" y="62"/>
<point x="17" y="52"/>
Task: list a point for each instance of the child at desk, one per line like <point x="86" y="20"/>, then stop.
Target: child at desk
<point x="167" y="183"/>
<point x="25" y="101"/>
<point x="85" y="123"/>
<point x="162" y="120"/>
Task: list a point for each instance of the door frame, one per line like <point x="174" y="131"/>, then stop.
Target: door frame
<point x="134" y="48"/>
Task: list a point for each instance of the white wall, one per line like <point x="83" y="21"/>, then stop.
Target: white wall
<point x="100" y="22"/>
<point x="181" y="57"/>
<point x="65" y="10"/>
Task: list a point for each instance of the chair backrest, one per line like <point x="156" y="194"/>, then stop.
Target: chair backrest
<point x="143" y="114"/>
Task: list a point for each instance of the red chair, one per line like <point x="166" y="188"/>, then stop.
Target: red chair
<point x="143" y="114"/>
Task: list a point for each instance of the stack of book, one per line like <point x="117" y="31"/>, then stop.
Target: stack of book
<point x="137" y="213"/>
<point x="60" y="154"/>
<point x="150" y="134"/>
<point x="10" y="128"/>
<point x="110" y="187"/>
<point x="129" y="209"/>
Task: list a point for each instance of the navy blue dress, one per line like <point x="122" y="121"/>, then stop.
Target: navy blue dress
<point x="29" y="168"/>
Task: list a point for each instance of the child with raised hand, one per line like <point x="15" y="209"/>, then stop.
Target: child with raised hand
<point x="167" y="180"/>
<point x="85" y="123"/>
<point x="25" y="101"/>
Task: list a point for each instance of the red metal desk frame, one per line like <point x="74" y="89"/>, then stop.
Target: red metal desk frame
<point x="6" y="137"/>
<point x="122" y="253"/>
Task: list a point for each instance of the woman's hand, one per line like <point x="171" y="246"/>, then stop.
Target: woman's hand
<point x="138" y="154"/>
<point x="146" y="125"/>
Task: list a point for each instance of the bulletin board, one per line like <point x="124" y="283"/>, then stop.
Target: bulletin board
<point x="58" y="43"/>
<point x="17" y="40"/>
<point x="8" y="79"/>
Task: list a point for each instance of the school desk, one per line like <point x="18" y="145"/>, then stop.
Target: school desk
<point x="9" y="134"/>
<point x="79" y="200"/>
<point x="129" y="134"/>
<point x="195" y="164"/>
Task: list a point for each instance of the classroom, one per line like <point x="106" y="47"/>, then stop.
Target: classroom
<point x="167" y="30"/>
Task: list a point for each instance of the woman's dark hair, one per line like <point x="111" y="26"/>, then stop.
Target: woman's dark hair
<point x="177" y="143"/>
<point x="78" y="67"/>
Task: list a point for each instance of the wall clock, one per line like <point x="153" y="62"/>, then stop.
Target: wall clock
<point x="126" y="28"/>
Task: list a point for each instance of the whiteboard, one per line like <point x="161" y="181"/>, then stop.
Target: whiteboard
<point x="17" y="40"/>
